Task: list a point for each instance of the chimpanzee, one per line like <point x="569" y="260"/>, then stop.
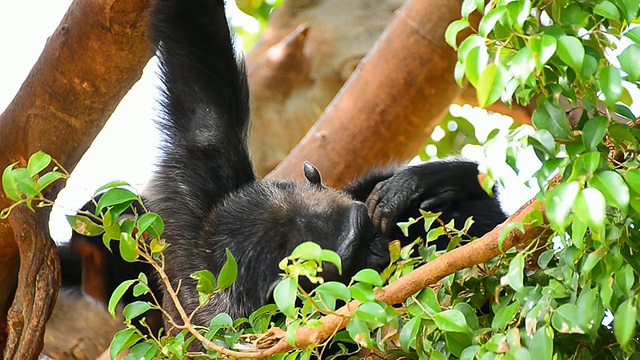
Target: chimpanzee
<point x="210" y="199"/>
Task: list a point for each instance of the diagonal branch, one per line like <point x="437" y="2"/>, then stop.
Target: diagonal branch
<point x="476" y="252"/>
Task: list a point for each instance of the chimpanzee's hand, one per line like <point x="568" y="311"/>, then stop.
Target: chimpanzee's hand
<point x="430" y="186"/>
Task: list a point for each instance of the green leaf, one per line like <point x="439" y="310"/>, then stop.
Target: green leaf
<point x="143" y="350"/>
<point x="522" y="65"/>
<point x="451" y="320"/>
<point x="468" y="6"/>
<point x="634" y="34"/>
<point x="26" y="184"/>
<point x="9" y="184"/>
<point x="593" y="132"/>
<point x="571" y="52"/>
<point x="111" y="185"/>
<point x="333" y="258"/>
<point x="452" y="31"/>
<point x="491" y="84"/>
<point x="543" y="140"/>
<point x="428" y="302"/>
<point x="608" y="10"/>
<point x="335" y="289"/>
<point x="559" y="202"/>
<point x="135" y="309"/>
<point x="519" y="11"/>
<point x="624" y="321"/>
<point x="542" y="344"/>
<point x="504" y="315"/>
<point x="589" y="67"/>
<point x="610" y="83"/>
<point x="578" y="230"/>
<point x="362" y="292"/>
<point x="84" y="226"/>
<point x="359" y="332"/>
<point x="48" y="178"/>
<point x="590" y="207"/>
<point x="229" y="271"/>
<point x="543" y="48"/>
<point x="476" y="63"/>
<point x="116" y="196"/>
<point x="205" y="284"/>
<point x="308" y="250"/>
<point x="552" y="119"/>
<point x="472" y="41"/>
<point x="151" y="223"/>
<point x="38" y="162"/>
<point x="566" y="319"/>
<point x="372" y="312"/>
<point x="128" y="247"/>
<point x="117" y="295"/>
<point x="409" y="333"/>
<point x="629" y="61"/>
<point x="284" y="296"/>
<point x="490" y="19"/>
<point x="122" y="340"/>
<point x="516" y="272"/>
<point x="369" y="276"/>
<point x="613" y="187"/>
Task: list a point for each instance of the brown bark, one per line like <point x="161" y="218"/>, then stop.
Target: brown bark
<point x="291" y="88"/>
<point x="88" y="64"/>
<point x="40" y="276"/>
<point x="396" y="96"/>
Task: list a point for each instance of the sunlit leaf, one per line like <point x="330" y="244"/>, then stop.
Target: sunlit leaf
<point x="284" y="296"/>
<point x="571" y="52"/>
<point x="491" y="84"/>
<point x="610" y="83"/>
<point x="629" y="61"/>
<point x="38" y="162"/>
<point x="613" y="187"/>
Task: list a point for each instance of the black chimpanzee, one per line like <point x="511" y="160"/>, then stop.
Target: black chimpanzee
<point x="210" y="199"/>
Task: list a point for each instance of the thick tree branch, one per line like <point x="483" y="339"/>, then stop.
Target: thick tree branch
<point x="397" y="96"/>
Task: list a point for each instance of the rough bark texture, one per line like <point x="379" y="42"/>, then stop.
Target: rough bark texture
<point x="40" y="276"/>
<point x="397" y="95"/>
<point x="88" y="64"/>
<point x="294" y="73"/>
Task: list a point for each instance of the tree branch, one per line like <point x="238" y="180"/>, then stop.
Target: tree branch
<point x="397" y="95"/>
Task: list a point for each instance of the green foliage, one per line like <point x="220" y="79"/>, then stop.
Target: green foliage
<point x="260" y="11"/>
<point x="557" y="54"/>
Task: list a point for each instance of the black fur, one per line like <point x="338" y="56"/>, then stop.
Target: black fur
<point x="210" y="199"/>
